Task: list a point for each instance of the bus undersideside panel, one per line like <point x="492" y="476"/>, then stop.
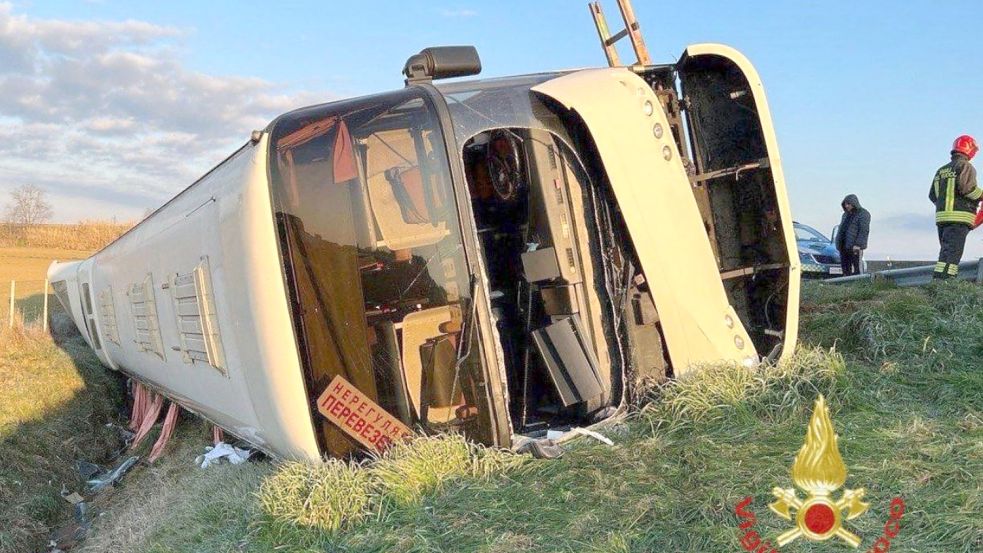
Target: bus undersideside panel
<point x="736" y="173"/>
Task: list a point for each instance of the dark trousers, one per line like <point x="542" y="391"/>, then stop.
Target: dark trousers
<point x="850" y="262"/>
<point x="952" y="241"/>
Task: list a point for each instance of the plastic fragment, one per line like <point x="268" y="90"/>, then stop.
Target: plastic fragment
<point x="590" y="433"/>
<point x="110" y="478"/>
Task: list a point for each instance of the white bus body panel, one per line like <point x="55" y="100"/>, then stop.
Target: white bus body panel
<point x="226" y="217"/>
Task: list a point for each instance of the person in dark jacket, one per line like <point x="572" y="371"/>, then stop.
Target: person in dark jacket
<point x="851" y="238"/>
<point x="956" y="198"/>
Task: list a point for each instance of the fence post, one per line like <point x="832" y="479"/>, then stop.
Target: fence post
<point x="44" y="310"/>
<point x="11" y="316"/>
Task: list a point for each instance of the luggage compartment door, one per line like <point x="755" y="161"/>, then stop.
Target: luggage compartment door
<point x="739" y="170"/>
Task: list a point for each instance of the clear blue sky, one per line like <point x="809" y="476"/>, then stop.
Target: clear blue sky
<point x="866" y="96"/>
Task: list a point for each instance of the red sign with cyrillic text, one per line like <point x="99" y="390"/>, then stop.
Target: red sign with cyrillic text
<point x="360" y="417"/>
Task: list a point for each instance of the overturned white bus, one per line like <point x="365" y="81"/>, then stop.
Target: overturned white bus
<point x="494" y="257"/>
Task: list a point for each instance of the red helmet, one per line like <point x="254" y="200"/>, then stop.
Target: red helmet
<point x="965" y="144"/>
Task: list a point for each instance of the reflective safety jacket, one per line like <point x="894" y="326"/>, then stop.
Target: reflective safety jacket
<point x="955" y="193"/>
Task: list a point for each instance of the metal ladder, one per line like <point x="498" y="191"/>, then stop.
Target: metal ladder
<point x="632" y="30"/>
<point x="671" y="103"/>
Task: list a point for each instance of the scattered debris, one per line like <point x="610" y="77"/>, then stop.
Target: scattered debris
<point x="592" y="434"/>
<point x="86" y="469"/>
<point x="102" y="480"/>
<point x="563" y="435"/>
<point x="69" y="536"/>
<point x="221" y="451"/>
<point x="125" y="435"/>
<point x="541" y="449"/>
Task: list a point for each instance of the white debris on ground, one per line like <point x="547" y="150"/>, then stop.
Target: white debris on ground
<point x="592" y="434"/>
<point x="222" y="450"/>
<point x="558" y="434"/>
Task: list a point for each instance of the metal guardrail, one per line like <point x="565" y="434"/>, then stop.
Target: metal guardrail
<point x="915" y="276"/>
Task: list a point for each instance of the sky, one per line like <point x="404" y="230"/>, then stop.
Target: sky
<point x="113" y="107"/>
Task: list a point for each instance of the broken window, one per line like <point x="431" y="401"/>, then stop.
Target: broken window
<point x="537" y="220"/>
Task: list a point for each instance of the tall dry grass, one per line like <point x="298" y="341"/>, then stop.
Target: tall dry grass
<point x="84" y="235"/>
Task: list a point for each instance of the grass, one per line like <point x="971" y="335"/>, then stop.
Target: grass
<point x="899" y="369"/>
<point x="55" y="397"/>
<point x="322" y="498"/>
<point x="54" y="403"/>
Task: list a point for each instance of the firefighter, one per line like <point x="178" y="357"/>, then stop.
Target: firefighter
<point x="851" y="238"/>
<point x="956" y="198"/>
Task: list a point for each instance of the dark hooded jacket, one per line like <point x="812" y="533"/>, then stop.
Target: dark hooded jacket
<point x="854" y="225"/>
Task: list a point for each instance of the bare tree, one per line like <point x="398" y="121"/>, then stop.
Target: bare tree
<point x="27" y="206"/>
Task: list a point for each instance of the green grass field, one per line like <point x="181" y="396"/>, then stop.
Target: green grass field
<point x="900" y="369"/>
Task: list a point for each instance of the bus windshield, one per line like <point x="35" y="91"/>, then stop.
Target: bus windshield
<point x="373" y="258"/>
